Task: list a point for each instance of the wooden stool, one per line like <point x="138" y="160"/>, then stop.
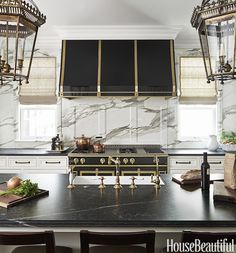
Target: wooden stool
<point x="128" y="242"/>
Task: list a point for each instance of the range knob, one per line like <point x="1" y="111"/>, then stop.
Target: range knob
<point x="76" y="161"/>
<point x="132" y="160"/>
<point x="102" y="160"/>
<point x="82" y="160"/>
<point x="125" y="160"/>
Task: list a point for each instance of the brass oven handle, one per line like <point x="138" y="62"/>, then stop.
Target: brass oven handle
<point x="53" y="162"/>
<point x="28" y="162"/>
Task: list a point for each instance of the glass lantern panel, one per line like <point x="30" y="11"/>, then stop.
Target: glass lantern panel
<point x="220" y="35"/>
<point x="205" y="52"/>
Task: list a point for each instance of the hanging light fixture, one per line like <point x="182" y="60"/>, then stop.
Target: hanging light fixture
<point x="19" y="23"/>
<point x="215" y="22"/>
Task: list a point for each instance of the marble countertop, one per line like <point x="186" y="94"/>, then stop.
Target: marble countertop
<point x="109" y="150"/>
<point x="32" y="152"/>
<point x="193" y="152"/>
<point x="87" y="206"/>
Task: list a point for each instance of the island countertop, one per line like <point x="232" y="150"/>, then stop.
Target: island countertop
<point x="87" y="206"/>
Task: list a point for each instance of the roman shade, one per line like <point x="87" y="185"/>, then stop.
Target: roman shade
<point x="194" y="88"/>
<point x="41" y="88"/>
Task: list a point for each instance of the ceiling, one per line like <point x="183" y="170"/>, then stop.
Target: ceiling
<point x="119" y="13"/>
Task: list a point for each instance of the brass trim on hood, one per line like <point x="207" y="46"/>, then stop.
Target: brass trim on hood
<point x="135" y="68"/>
<point x="173" y="67"/>
<point x="63" y="59"/>
<point x="99" y="68"/>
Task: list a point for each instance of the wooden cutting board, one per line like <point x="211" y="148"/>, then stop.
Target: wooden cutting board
<point x="213" y="177"/>
<point x="223" y="193"/>
<point x="12" y="200"/>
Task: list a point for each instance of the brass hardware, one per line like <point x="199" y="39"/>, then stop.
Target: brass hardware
<point x="133" y="185"/>
<point x="20" y="63"/>
<point x="137" y="173"/>
<point x="135" y="68"/>
<point x="99" y="68"/>
<point x="132" y="160"/>
<point x="125" y="160"/>
<point x="102" y="160"/>
<point x="72" y="175"/>
<point x="6" y="68"/>
<point x="93" y="172"/>
<point x="117" y="163"/>
<point x="102" y="185"/>
<point x="62" y="77"/>
<point x="76" y="161"/>
<point x="82" y="160"/>
<point x="96" y="171"/>
<point x="157" y="181"/>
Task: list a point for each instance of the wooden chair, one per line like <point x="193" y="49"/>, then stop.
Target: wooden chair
<point x="44" y="240"/>
<point x="129" y="242"/>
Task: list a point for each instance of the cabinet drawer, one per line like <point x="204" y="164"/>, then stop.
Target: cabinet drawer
<point x="52" y="162"/>
<point x="21" y="162"/>
<point x="183" y="163"/>
<point x="3" y="162"/>
<point x="216" y="162"/>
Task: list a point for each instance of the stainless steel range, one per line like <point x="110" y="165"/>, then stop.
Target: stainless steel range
<point x="134" y="160"/>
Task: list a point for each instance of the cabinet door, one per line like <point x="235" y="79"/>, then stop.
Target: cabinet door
<point x="79" y="68"/>
<point x="181" y="164"/>
<point x="156" y="70"/>
<point x="216" y="164"/>
<point x="117" y="68"/>
<point x="22" y="162"/>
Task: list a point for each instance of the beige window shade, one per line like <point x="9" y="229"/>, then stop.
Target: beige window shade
<point x="41" y="88"/>
<point x="193" y="83"/>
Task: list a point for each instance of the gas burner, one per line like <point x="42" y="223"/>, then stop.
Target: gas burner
<point x="81" y="151"/>
<point x="127" y="150"/>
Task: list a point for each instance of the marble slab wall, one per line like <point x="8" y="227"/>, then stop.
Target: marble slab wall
<point x="142" y="120"/>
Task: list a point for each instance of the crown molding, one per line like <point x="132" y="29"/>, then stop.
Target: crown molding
<point x="117" y="32"/>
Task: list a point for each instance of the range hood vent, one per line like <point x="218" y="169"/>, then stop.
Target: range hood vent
<point x="117" y="68"/>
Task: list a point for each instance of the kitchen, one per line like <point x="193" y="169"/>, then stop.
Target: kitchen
<point x="135" y="122"/>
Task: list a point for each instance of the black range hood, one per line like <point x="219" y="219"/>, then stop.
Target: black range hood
<point x="117" y="68"/>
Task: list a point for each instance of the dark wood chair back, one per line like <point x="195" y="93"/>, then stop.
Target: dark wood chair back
<point x="44" y="238"/>
<point x="191" y="236"/>
<point x="117" y="239"/>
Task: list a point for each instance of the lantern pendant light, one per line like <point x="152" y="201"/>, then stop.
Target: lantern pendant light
<point x="19" y="23"/>
<point x="215" y="22"/>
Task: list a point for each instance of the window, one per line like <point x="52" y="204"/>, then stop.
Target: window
<point x="37" y="122"/>
<point x="193" y="83"/>
<point x="196" y="121"/>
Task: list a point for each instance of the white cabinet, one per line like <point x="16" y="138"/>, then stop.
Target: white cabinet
<point x="180" y="164"/>
<point x="33" y="164"/>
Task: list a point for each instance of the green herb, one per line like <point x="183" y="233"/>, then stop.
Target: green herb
<point x="228" y="137"/>
<point x="25" y="189"/>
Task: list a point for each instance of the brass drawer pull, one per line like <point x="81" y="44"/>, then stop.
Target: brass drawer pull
<point x="183" y="162"/>
<point x="53" y="162"/>
<point x="28" y="162"/>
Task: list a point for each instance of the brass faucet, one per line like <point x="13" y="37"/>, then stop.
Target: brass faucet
<point x="117" y="163"/>
<point x="157" y="180"/>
